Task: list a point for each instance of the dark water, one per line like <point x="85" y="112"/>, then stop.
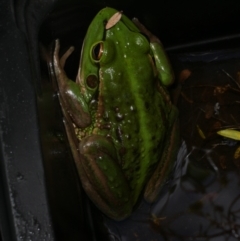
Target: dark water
<point x="199" y="205"/>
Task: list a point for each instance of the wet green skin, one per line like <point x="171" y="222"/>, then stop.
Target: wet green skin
<point x="124" y="138"/>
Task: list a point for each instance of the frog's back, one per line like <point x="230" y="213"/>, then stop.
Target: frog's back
<point x="132" y="109"/>
<point x="137" y="114"/>
<point x="144" y="148"/>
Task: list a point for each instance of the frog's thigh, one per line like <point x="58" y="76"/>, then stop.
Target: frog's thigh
<point x="165" y="165"/>
<point x="105" y="184"/>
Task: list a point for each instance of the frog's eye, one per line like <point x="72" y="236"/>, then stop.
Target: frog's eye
<point x="97" y="51"/>
<point x="102" y="52"/>
<point x="92" y="81"/>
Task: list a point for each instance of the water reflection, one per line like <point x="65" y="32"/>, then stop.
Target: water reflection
<point x="199" y="204"/>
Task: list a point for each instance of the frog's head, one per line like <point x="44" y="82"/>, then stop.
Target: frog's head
<point x="97" y="52"/>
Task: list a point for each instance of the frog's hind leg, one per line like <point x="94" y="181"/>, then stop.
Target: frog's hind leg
<point x="101" y="176"/>
<point x="104" y="181"/>
<point x="168" y="157"/>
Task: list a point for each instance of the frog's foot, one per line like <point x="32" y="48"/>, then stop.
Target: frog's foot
<point x="60" y="62"/>
<point x="102" y="177"/>
<point x="165" y="165"/>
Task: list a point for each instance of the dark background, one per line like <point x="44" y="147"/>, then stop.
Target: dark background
<point x="29" y="187"/>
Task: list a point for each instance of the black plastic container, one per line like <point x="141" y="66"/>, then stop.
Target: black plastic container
<point x="41" y="198"/>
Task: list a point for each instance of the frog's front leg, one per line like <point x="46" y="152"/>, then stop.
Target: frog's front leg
<point x="170" y="149"/>
<point x="105" y="183"/>
<point x="163" y="66"/>
<point x="71" y="98"/>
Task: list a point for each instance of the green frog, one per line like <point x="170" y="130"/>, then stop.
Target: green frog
<point x="121" y="125"/>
